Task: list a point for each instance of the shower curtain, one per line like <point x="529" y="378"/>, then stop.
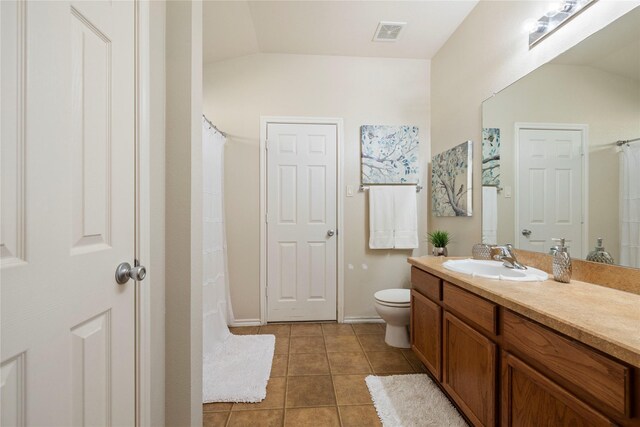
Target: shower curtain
<point x="217" y="311"/>
<point x="630" y="205"/>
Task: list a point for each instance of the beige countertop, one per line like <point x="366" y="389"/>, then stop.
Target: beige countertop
<point x="603" y="318"/>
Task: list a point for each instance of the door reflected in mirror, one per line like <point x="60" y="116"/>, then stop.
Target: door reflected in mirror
<point x="560" y="169"/>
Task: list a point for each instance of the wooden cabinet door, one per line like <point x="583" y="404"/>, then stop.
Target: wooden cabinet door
<point x="531" y="399"/>
<point x="596" y="378"/>
<point x="469" y="370"/>
<point x="426" y="332"/>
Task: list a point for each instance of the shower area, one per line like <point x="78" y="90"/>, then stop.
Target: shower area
<point x="217" y="311"/>
<point x="235" y="368"/>
<point x="630" y="202"/>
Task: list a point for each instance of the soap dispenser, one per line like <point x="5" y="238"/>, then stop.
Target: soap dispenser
<point x="599" y="254"/>
<point x="561" y="266"/>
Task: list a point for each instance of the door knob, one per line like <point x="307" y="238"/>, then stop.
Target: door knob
<point x="330" y="233"/>
<point x="124" y="272"/>
<point x="526" y="232"/>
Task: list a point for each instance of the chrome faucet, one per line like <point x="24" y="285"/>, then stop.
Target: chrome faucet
<point x="508" y="257"/>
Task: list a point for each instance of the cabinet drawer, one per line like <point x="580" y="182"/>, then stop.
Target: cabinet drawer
<point x="584" y="371"/>
<point x="427" y="284"/>
<point x="480" y="311"/>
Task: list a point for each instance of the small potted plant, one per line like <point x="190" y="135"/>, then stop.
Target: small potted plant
<point x="439" y="239"/>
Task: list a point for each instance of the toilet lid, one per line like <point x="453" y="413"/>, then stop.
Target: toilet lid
<point x="395" y="296"/>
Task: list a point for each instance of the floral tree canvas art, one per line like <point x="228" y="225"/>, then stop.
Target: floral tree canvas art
<point x="451" y="181"/>
<point x="389" y="154"/>
<point x="491" y="157"/>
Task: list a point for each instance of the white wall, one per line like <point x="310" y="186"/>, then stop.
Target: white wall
<point x="361" y="91"/>
<point x="485" y="54"/>
<point x="156" y="265"/>
<point x="555" y="93"/>
<point x="183" y="347"/>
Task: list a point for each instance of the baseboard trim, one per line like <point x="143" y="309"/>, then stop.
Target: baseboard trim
<point x="347" y="319"/>
<point x="246" y="322"/>
<point x="361" y="319"/>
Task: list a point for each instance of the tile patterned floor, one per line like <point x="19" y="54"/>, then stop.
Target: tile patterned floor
<point x="317" y="377"/>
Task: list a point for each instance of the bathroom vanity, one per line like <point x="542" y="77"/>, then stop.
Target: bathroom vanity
<point x="528" y="353"/>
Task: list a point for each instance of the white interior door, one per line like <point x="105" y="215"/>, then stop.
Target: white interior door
<point x="68" y="349"/>
<point x="550" y="186"/>
<point x="301" y="222"/>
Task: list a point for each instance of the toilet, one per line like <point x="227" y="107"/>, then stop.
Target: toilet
<point x="394" y="306"/>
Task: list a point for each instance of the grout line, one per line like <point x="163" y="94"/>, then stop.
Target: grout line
<point x="361" y="349"/>
<point x="286" y="382"/>
<point x="365" y="355"/>
<point x="229" y="417"/>
<point x="333" y="384"/>
<point x="415" y="371"/>
<point x="313" y="406"/>
<point x="256" y="409"/>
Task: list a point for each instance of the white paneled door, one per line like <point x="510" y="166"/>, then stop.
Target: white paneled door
<point x="301" y="221"/>
<point x="550" y="189"/>
<point x="68" y="127"/>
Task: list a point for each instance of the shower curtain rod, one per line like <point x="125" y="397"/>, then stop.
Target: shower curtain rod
<point x="627" y="141"/>
<point x="213" y="126"/>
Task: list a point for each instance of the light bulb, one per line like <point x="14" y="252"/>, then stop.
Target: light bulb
<point x="533" y="26"/>
<point x="569" y="6"/>
<point x="529" y="26"/>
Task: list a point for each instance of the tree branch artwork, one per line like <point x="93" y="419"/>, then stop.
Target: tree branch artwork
<point x="389" y="154"/>
<point x="451" y="181"/>
<point x="491" y="157"/>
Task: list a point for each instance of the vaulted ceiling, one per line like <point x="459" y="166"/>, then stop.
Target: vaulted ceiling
<point x="614" y="49"/>
<point x="238" y="28"/>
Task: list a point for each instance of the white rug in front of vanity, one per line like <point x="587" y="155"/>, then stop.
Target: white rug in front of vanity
<point x="412" y="400"/>
<point x="239" y="370"/>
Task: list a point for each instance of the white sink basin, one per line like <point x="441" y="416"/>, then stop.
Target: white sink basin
<point x="494" y="270"/>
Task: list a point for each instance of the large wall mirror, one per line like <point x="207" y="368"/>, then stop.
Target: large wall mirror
<point x="560" y="168"/>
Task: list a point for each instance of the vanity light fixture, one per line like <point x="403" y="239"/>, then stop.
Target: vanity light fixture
<point x="557" y="15"/>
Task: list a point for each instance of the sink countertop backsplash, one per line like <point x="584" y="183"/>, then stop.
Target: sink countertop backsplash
<point x="612" y="276"/>
<point x="604" y="316"/>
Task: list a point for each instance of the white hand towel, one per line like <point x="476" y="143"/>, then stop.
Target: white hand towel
<point x="489" y="215"/>
<point x="381" y="217"/>
<point x="405" y="217"/>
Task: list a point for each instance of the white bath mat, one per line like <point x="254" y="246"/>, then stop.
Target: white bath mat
<point x="239" y="370"/>
<point x="412" y="400"/>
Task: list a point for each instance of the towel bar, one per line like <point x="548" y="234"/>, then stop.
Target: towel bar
<point x="366" y="187"/>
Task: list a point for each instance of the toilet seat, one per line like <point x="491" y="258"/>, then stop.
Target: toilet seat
<point x="386" y="304"/>
<point x="394" y="297"/>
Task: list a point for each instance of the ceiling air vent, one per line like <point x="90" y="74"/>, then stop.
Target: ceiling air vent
<point x="388" y="31"/>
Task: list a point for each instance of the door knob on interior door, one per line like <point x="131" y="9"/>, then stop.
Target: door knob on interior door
<point x="526" y="232"/>
<point x="330" y="233"/>
<point x="124" y="272"/>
